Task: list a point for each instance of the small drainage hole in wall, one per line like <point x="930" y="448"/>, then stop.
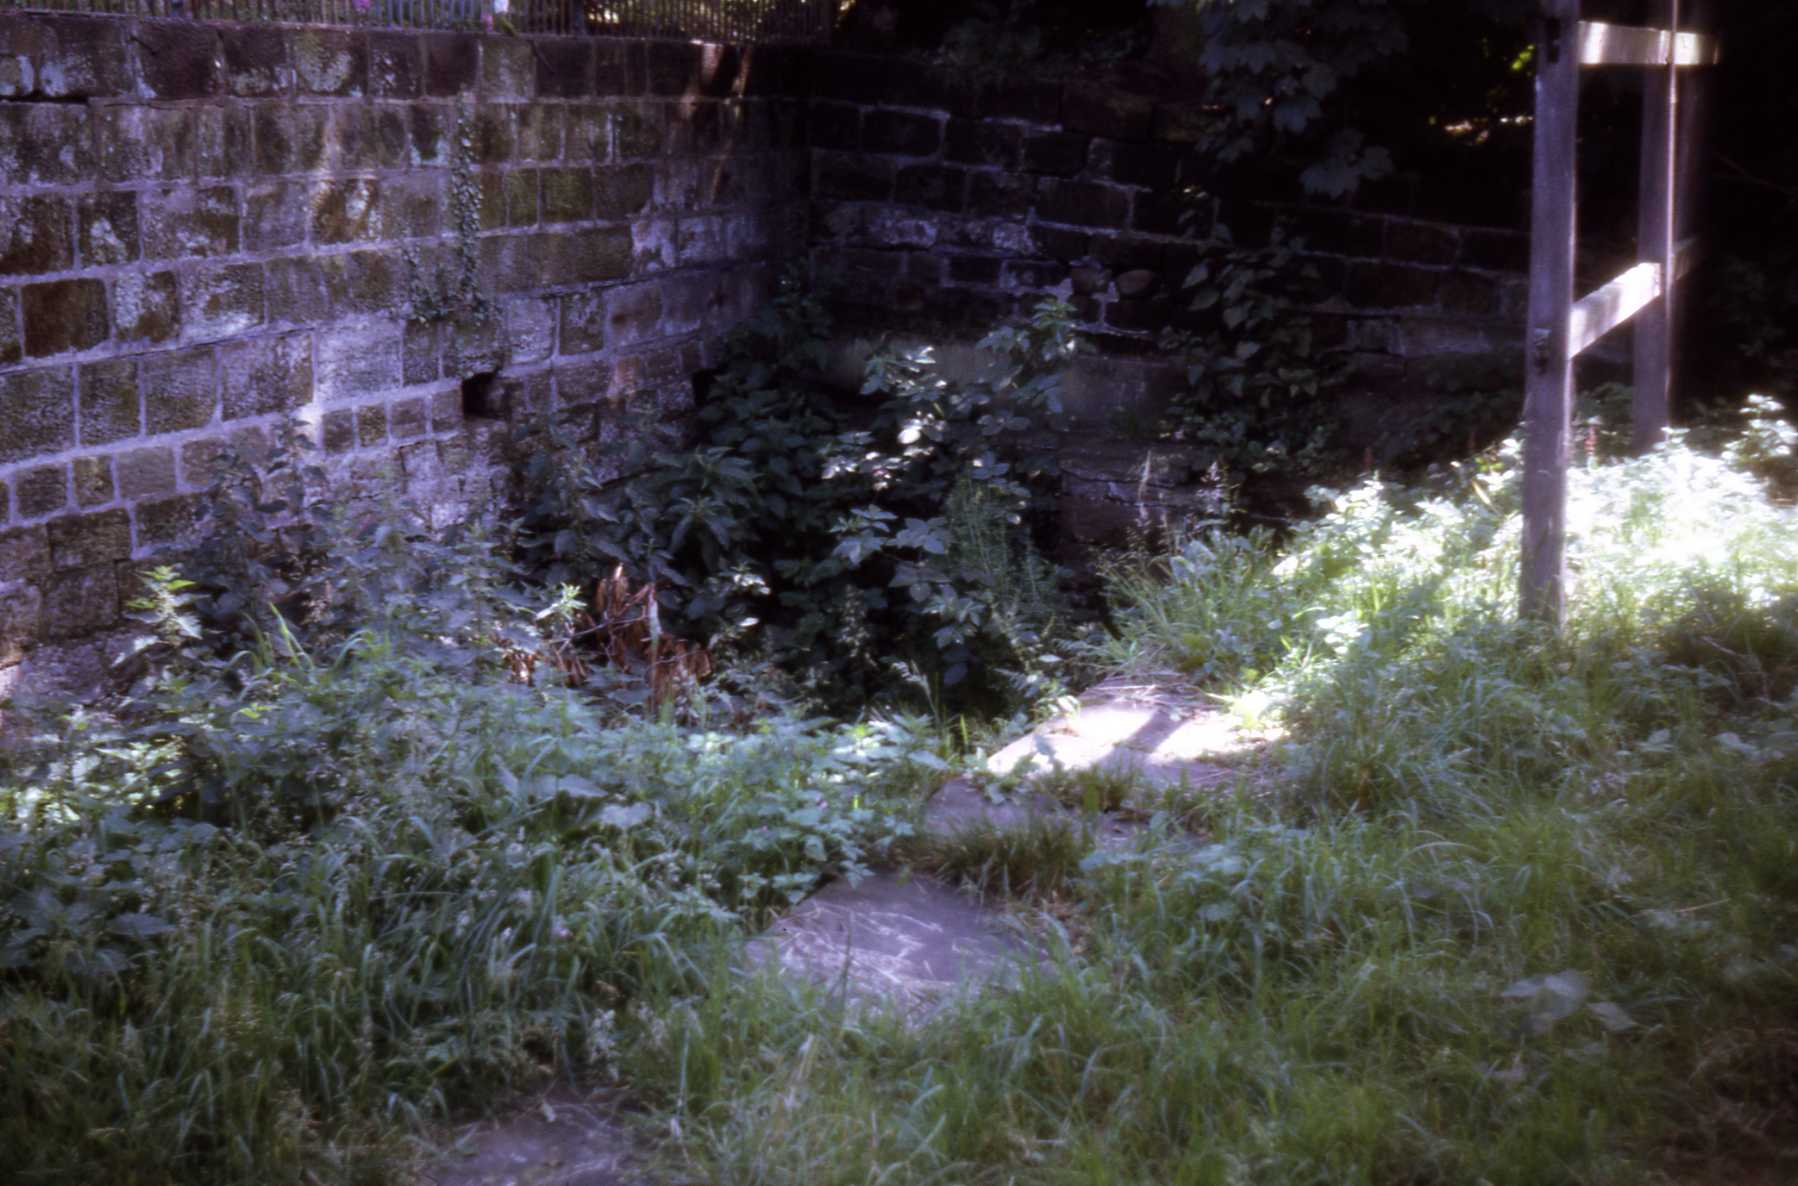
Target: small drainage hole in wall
<point x="482" y="397"/>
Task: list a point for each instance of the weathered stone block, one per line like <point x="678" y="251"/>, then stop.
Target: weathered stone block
<point x="166" y="522"/>
<point x="298" y="291"/>
<point x="622" y="190"/>
<point x="633" y="314"/>
<point x="183" y="223"/>
<point x="697" y="128"/>
<point x="973" y="269"/>
<point x="1105" y="111"/>
<point x="395" y="65"/>
<point x="34" y="236"/>
<point x="363" y="282"/>
<point x="202" y="462"/>
<point x="275" y="215"/>
<point x="519" y="191"/>
<point x="567" y="195"/>
<point x="1470" y="292"/>
<point x="446" y="411"/>
<point x="674" y="68"/>
<point x="1152" y="166"/>
<point x="841" y="175"/>
<point x="999" y="195"/>
<point x="93" y="481"/>
<point x="223" y="141"/>
<point x="508" y="69"/>
<point x="290" y="139"/>
<point x="586" y="256"/>
<point x="109" y="401"/>
<point x="1495" y="250"/>
<point x="1420" y="242"/>
<point x="583" y="322"/>
<point x="180" y="390"/>
<point x="427" y="134"/>
<point x="21" y="622"/>
<point x="145" y="472"/>
<point x="1039" y="102"/>
<point x="564" y="68"/>
<point x="81" y="541"/>
<point x="413" y="206"/>
<point x="619" y="68"/>
<point x="371" y="425"/>
<point x="587" y="133"/>
<point x="178" y="59"/>
<point x="495" y="135"/>
<point x="37" y="412"/>
<point x="582" y="383"/>
<point x="80" y="601"/>
<point x="25" y="552"/>
<point x="356" y="362"/>
<point x="63" y="57"/>
<point x="470" y="349"/>
<point x="217" y="302"/>
<point x="346" y="211"/>
<point x="256" y="60"/>
<point x="45" y="143"/>
<point x="42" y="490"/>
<point x="977" y="142"/>
<point x="329" y="62"/>
<point x="138" y="143"/>
<point x="540" y="132"/>
<point x="262" y="375"/>
<point x="1082" y="203"/>
<point x="420" y="348"/>
<point x="64" y="315"/>
<point x="638" y="130"/>
<point x="939" y="187"/>
<point x="1058" y="154"/>
<point x="452" y="63"/>
<point x="406" y="418"/>
<point x="338" y="431"/>
<point x="108" y="223"/>
<point x="901" y="132"/>
<point x="530" y="329"/>
<point x="835" y="126"/>
<point x="12" y="347"/>
<point x="366" y="137"/>
<point x="1391" y="286"/>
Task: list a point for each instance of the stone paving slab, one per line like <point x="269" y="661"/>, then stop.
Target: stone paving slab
<point x="892" y="940"/>
<point x="568" y="1138"/>
<point x="1161" y="734"/>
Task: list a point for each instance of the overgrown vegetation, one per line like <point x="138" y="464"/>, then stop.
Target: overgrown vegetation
<point x="876" y="548"/>
<point x="333" y="872"/>
<point x="1503" y="907"/>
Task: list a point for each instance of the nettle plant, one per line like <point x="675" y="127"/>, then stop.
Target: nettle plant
<point x="1260" y="387"/>
<point x="862" y="543"/>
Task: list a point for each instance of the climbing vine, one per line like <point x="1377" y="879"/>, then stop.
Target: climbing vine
<point x="454" y="294"/>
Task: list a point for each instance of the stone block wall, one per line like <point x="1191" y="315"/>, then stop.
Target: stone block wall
<point x="946" y="206"/>
<point x="204" y="231"/>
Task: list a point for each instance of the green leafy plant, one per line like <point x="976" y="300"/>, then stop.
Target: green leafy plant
<point x="863" y="543"/>
<point x="1260" y="389"/>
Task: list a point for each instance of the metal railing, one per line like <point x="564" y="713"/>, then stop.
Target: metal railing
<point x="744" y="21"/>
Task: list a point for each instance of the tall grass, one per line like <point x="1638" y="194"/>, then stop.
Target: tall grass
<point x="1503" y="907"/>
<point x="285" y="907"/>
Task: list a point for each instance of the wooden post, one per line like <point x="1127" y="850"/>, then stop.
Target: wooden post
<point x="1655" y="237"/>
<point x="1548" y="362"/>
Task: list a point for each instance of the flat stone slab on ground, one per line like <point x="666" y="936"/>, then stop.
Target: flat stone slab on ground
<point x="1161" y="734"/>
<point x="889" y="940"/>
<point x="959" y="807"/>
<point x="568" y="1139"/>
